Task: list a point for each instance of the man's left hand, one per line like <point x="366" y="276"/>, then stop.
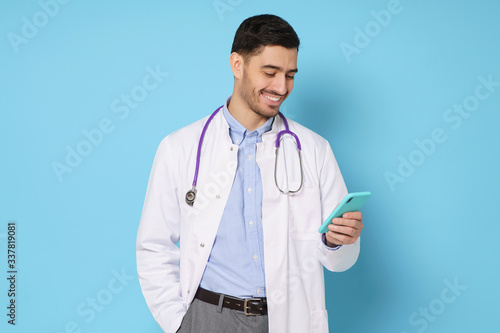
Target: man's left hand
<point x="344" y="230"/>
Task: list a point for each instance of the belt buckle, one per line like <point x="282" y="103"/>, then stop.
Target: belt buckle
<point x="245" y="306"/>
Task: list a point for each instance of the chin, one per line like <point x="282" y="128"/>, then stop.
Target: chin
<point x="267" y="111"/>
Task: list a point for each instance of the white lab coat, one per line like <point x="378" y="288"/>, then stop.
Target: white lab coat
<point x="294" y="254"/>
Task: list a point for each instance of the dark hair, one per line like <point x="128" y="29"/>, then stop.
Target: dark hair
<point x="258" y="31"/>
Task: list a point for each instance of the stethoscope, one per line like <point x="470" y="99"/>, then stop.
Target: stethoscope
<point x="191" y="194"/>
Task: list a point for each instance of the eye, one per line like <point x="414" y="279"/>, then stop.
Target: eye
<point x="290" y="77"/>
<point x="269" y="74"/>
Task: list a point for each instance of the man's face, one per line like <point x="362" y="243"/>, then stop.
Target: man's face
<point x="268" y="79"/>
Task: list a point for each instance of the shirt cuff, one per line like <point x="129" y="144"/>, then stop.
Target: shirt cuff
<point x="323" y="238"/>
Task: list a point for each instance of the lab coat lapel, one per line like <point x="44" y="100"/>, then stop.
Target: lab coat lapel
<point x="218" y="164"/>
<point x="275" y="209"/>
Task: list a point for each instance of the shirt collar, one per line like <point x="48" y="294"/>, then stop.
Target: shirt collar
<point x="237" y="131"/>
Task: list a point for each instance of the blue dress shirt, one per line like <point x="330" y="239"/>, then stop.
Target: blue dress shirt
<point x="236" y="264"/>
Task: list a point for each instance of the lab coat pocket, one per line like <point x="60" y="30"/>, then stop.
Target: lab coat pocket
<point x="319" y="321"/>
<point x="305" y="214"/>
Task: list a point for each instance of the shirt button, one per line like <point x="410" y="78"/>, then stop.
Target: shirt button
<point x="249" y="157"/>
<point x="258" y="291"/>
<point x="255" y="257"/>
<point x="202" y="245"/>
<point x="237" y="141"/>
<point x="249" y="190"/>
<point x="251" y="223"/>
<point x="231" y="149"/>
<point x="217" y="196"/>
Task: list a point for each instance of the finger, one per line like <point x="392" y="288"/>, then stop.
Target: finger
<point x="339" y="239"/>
<point x="340" y="229"/>
<point x="332" y="238"/>
<point x="357" y="224"/>
<point x="353" y="215"/>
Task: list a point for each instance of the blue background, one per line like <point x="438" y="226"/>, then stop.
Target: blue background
<point x="437" y="225"/>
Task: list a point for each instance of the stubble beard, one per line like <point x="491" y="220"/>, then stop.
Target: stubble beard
<point x="251" y="99"/>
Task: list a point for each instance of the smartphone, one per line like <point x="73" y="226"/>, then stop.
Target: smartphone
<point x="351" y="203"/>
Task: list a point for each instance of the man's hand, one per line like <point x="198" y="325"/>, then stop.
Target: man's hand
<point x="345" y="229"/>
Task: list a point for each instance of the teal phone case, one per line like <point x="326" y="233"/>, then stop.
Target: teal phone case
<point x="351" y="203"/>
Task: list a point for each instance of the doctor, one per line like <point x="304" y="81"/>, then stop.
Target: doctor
<point x="250" y="258"/>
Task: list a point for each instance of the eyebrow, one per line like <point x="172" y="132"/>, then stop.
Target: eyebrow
<point x="279" y="68"/>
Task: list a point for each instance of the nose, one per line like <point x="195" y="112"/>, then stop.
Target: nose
<point x="279" y="84"/>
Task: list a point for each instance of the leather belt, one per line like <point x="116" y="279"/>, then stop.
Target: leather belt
<point x="250" y="306"/>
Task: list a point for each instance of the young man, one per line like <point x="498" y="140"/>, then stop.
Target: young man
<point x="250" y="258"/>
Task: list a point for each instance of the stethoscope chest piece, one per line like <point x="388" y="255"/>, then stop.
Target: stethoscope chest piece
<point x="191" y="196"/>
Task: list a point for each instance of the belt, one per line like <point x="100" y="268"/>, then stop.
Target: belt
<point x="250" y="306"/>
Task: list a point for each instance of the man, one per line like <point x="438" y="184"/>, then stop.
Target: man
<point x="250" y="257"/>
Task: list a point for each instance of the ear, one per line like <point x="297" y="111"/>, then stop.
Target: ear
<point x="237" y="63"/>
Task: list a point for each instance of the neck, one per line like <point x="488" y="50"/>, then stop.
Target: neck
<point x="244" y="115"/>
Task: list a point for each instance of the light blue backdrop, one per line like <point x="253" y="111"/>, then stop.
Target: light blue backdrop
<point x="407" y="92"/>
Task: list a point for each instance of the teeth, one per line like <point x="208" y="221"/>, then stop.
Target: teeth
<point x="274" y="99"/>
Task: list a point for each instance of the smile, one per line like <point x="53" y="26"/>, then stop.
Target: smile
<point x="271" y="98"/>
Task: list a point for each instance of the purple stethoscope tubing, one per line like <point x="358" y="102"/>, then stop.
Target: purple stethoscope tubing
<point x="198" y="154"/>
<point x="191" y="194"/>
